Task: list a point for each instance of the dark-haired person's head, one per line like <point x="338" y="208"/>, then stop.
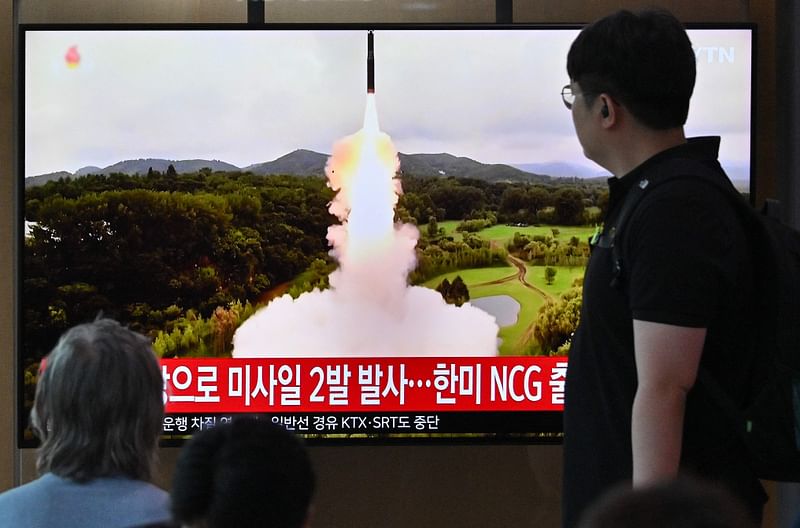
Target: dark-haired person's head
<point x="644" y="61"/>
<point x="680" y="503"/>
<point x="99" y="407"/>
<point x="249" y="473"/>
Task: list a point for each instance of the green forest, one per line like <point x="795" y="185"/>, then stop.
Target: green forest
<point x="186" y="258"/>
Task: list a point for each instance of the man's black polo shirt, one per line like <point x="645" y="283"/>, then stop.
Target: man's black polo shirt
<point x="686" y="264"/>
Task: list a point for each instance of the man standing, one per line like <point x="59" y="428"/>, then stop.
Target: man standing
<point x="633" y="411"/>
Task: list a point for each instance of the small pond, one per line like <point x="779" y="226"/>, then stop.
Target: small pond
<point x="504" y="308"/>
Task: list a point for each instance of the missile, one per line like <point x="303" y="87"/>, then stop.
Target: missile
<point x="370" y="63"/>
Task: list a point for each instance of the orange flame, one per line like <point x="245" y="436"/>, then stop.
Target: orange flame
<point x="362" y="170"/>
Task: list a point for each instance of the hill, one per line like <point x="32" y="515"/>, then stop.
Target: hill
<point x="445" y="165"/>
<point x="300" y="162"/>
<point x="303" y="162"/>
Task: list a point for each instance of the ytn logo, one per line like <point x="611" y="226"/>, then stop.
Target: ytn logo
<point x="715" y="54"/>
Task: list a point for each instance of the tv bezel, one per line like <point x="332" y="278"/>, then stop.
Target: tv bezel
<point x="19" y="177"/>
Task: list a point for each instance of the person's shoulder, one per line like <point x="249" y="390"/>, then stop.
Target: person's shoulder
<point x="687" y="188"/>
<point x="148" y="499"/>
<point x="696" y="175"/>
<point x="14" y="495"/>
<point x="105" y="501"/>
<point x="151" y="490"/>
<point x="687" y="207"/>
<point x="132" y="490"/>
<point x="20" y="505"/>
<point x="43" y="484"/>
<point x="134" y="502"/>
<point x="688" y="191"/>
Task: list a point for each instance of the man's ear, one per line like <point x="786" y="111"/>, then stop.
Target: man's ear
<point x="608" y="110"/>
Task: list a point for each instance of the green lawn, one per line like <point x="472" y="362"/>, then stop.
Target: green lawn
<point x="564" y="278"/>
<point x="474" y="275"/>
<point x="514" y="337"/>
<point x="514" y="341"/>
<point x="503" y="233"/>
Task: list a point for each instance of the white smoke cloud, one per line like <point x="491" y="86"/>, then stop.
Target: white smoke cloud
<point x="369" y="309"/>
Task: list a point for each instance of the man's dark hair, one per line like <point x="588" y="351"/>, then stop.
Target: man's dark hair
<point x="681" y="503"/>
<point x="99" y="404"/>
<point x="643" y="60"/>
<point x="249" y="473"/>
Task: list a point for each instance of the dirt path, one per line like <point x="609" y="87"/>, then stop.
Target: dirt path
<point x="520" y="275"/>
<point x="522" y="272"/>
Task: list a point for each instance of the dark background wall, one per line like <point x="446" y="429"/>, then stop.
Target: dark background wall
<point x="788" y="119"/>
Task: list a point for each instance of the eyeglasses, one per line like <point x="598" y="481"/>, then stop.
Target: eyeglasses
<point x="568" y="96"/>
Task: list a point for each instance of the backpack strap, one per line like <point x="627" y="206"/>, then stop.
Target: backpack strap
<point x="670" y="170"/>
<point x="772" y="209"/>
<point x="610" y="238"/>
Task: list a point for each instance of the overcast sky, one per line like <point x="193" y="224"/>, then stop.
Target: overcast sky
<point x="252" y="96"/>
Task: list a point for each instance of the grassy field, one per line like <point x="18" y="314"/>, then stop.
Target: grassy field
<point x="503" y="233"/>
<point x="479" y="281"/>
<point x="563" y="280"/>
<point x="482" y="283"/>
<point x="487" y="282"/>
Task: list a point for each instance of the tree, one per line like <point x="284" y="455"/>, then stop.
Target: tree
<point x="569" y="206"/>
<point x="455" y="292"/>
<point x="419" y="206"/>
<point x="171" y="170"/>
<point x="514" y="203"/>
<point x="459" y="294"/>
<point x="538" y="198"/>
<point x="146" y="248"/>
<point x="550" y="274"/>
<point x="225" y="321"/>
<point x="444" y="288"/>
<point x="557" y="320"/>
<point x="457" y="200"/>
<point x="473" y="226"/>
<point x="433" y="227"/>
<point x="602" y="202"/>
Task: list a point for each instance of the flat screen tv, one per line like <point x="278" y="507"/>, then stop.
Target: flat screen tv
<point x="364" y="242"/>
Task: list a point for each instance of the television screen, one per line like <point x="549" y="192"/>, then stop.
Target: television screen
<point x="362" y="233"/>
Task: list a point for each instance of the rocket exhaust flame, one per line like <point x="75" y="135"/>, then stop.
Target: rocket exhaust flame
<point x="369" y="309"/>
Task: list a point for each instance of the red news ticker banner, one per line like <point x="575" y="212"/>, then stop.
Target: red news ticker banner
<point x="518" y="383"/>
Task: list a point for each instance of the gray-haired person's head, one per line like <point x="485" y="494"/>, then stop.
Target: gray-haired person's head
<point x="98" y="409"/>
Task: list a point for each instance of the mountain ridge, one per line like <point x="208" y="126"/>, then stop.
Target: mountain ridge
<point x="308" y="163"/>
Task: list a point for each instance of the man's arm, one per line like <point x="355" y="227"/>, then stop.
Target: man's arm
<point x="667" y="359"/>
